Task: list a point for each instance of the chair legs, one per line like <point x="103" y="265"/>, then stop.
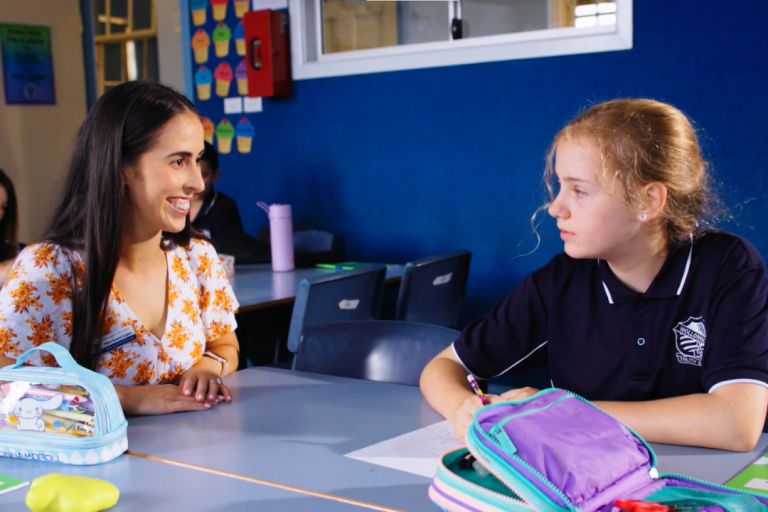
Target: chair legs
<point x="261" y="334"/>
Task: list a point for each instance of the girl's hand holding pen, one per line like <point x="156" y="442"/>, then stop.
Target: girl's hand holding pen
<point x="463" y="415"/>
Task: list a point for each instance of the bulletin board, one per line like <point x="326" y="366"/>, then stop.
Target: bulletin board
<point x="217" y="45"/>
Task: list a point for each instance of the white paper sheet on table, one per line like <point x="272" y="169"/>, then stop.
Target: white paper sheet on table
<point x="416" y="452"/>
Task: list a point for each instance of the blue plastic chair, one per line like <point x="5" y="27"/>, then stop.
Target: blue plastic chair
<point x="432" y="290"/>
<point x="314" y="246"/>
<point x="380" y="350"/>
<point x="338" y="297"/>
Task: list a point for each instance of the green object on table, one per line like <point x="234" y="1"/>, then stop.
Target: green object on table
<point x="9" y="483"/>
<point x="64" y="493"/>
<point x="344" y="265"/>
<point x="753" y="478"/>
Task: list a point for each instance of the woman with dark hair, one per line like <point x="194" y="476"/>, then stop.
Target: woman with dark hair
<point x="120" y="279"/>
<point x="9" y="224"/>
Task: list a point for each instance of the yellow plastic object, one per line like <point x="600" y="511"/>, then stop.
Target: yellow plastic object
<point x="55" y="492"/>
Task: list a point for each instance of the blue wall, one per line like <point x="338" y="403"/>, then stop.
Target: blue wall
<point x="409" y="164"/>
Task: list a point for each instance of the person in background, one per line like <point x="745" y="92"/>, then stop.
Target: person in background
<point x="9" y="225"/>
<point x="660" y="320"/>
<point x="119" y="278"/>
<point x="216" y="215"/>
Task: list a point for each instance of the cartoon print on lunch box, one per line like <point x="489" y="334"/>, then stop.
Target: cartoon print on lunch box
<point x="29" y="412"/>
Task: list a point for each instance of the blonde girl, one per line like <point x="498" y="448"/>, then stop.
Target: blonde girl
<point x="661" y="322"/>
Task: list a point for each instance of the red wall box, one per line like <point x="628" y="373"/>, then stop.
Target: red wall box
<point x="268" y="59"/>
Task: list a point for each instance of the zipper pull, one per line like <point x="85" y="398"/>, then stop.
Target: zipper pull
<point x="498" y="433"/>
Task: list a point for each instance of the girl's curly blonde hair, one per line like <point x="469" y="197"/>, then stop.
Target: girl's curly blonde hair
<point x="643" y="141"/>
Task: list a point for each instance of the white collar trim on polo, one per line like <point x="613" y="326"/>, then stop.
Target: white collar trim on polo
<point x="682" y="280"/>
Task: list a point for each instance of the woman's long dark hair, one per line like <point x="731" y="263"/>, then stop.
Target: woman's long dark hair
<point x="123" y="124"/>
<point x="9" y="225"/>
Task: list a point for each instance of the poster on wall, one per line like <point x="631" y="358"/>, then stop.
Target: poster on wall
<point x="27" y="65"/>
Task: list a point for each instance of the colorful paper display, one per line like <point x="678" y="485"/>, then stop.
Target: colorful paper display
<point x="199" y="9"/>
<point x="208" y="129"/>
<point x="241" y="7"/>
<point x="27" y="64"/>
<point x="244" y="133"/>
<point x="219" y="9"/>
<point x="203" y="81"/>
<point x="200" y="43"/>
<point x="239" y="36"/>
<point x="221" y="37"/>
<point x="241" y="74"/>
<point x="219" y="29"/>
<point x="223" y="75"/>
<point x="225" y="132"/>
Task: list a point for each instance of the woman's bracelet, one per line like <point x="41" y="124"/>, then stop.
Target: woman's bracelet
<point x="217" y="357"/>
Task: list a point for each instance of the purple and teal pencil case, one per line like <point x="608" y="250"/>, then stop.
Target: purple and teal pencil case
<point x="66" y="414"/>
<point x="557" y="452"/>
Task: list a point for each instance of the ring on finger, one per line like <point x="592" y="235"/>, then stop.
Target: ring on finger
<point x="219" y="381"/>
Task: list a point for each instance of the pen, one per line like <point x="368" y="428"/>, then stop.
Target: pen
<point x="476" y="388"/>
<point x="74" y="416"/>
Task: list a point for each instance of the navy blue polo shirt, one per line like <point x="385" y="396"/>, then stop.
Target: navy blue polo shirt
<point x="701" y="324"/>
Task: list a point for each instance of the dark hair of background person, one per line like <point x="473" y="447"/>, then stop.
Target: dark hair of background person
<point x="123" y="124"/>
<point x="211" y="156"/>
<point x="9" y="225"/>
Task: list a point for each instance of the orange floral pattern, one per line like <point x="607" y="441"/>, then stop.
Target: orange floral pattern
<point x="45" y="254"/>
<point x="24" y="297"/>
<point x="204" y="265"/>
<point x="41" y="331"/>
<point x="36" y="306"/>
<point x="7" y="342"/>
<point x="61" y="286"/>
<point x="222" y="300"/>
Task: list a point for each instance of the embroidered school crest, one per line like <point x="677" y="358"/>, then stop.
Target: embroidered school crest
<point x="690" y="337"/>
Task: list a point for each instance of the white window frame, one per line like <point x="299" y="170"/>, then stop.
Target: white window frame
<point x="522" y="45"/>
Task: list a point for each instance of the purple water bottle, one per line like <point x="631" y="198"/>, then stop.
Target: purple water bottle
<point x="280" y="235"/>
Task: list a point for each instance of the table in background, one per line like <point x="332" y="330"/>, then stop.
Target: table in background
<point x="266" y="301"/>
<point x="256" y="286"/>
<point x="294" y="428"/>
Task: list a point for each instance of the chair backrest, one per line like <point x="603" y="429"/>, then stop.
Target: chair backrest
<point x="338" y="297"/>
<point x="380" y="350"/>
<point x="432" y="290"/>
<point x="313" y="240"/>
<point x="313" y="246"/>
<point x="310" y="246"/>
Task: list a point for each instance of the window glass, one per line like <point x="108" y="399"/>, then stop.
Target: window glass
<point x="142" y="14"/>
<point x="99" y="14"/>
<point x="113" y="62"/>
<point x="125" y="41"/>
<point x="153" y="72"/>
<point x="118" y="8"/>
<point x="343" y="37"/>
<point x="349" y="25"/>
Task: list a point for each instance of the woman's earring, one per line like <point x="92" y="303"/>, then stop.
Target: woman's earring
<point x="643" y="217"/>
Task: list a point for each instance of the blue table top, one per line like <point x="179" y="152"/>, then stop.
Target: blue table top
<point x="283" y="438"/>
<point x="149" y="485"/>
<point x="294" y="428"/>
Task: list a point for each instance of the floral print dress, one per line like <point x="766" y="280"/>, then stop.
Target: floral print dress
<point x="36" y="307"/>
